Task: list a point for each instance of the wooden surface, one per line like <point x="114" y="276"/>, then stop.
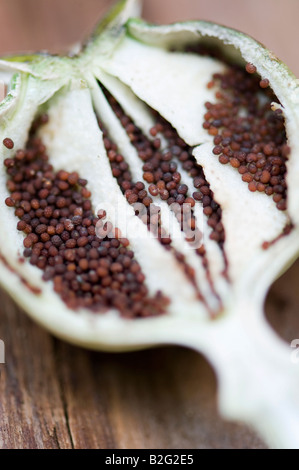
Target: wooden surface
<point x="53" y="395"/>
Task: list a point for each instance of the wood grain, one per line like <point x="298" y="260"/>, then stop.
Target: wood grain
<point x="53" y="395"/>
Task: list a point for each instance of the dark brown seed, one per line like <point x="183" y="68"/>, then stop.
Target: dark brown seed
<point x="265" y="177"/>
<point x="132" y="198"/>
<point x="277" y="197"/>
<point x="223" y="159"/>
<point x="9" y="202"/>
<point x="264" y="83"/>
<point x="82" y="241"/>
<point x="197" y="196"/>
<point x="164" y="194"/>
<point x="41" y="228"/>
<point x="190" y="200"/>
<point x="56" y="240"/>
<point x="148" y="177"/>
<point x="63" y="175"/>
<point x="73" y="178"/>
<point x="235" y="162"/>
<point x="217" y="150"/>
<point x="182" y="189"/>
<point x="282" y="205"/>
<point x="21" y="225"/>
<point x="260" y="187"/>
<point x="153" y="190"/>
<point x="8" y="143"/>
<point x="147" y="201"/>
<point x="247" y="177"/>
<point x="252" y="186"/>
<point x="250" y="68"/>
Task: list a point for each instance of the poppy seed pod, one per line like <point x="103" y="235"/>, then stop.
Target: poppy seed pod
<point x="150" y="191"/>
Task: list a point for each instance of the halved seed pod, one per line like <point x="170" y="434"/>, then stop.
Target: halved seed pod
<point x="150" y="188"/>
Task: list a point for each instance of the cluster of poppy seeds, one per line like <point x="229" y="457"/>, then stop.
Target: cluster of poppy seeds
<point x="56" y="215"/>
<point x="161" y="172"/>
<point x="136" y="193"/>
<point x="248" y="134"/>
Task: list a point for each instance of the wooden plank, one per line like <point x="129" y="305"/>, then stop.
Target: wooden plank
<point x="163" y="398"/>
<point x="54" y="395"/>
<point x="31" y="409"/>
